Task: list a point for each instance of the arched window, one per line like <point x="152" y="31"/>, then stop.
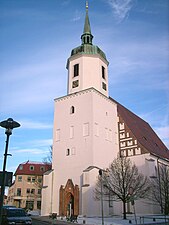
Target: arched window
<point x="72" y="110"/>
<point x="88" y="39"/>
<point x="67" y="152"/>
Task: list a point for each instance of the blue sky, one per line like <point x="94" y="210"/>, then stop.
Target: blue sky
<point x="36" y="38"/>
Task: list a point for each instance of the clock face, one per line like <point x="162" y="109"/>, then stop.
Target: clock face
<point x="104" y="86"/>
<point x="75" y="83"/>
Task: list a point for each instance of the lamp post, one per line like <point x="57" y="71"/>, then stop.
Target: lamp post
<point x="100" y="173"/>
<point x="133" y="203"/>
<point x="9" y="125"/>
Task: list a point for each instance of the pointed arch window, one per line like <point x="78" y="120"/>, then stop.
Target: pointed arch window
<point x="72" y="110"/>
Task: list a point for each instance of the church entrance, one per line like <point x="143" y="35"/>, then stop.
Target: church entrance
<point x="69" y="199"/>
<point x="70" y="205"/>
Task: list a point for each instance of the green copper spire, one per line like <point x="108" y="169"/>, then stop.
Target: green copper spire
<point x="87" y="28"/>
<point x="87" y="36"/>
<point x="86" y="46"/>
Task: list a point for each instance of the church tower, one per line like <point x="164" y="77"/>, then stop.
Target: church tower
<point x="85" y="132"/>
<point x="87" y="66"/>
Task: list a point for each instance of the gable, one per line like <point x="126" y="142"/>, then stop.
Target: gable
<point x="147" y="139"/>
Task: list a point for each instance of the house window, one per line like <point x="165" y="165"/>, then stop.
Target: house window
<point x="38" y="204"/>
<point x="67" y="152"/>
<point x="29" y="179"/>
<point x="18" y="192"/>
<point x="30" y="205"/>
<point x="39" y="191"/>
<point x="103" y="72"/>
<point x="32" y="191"/>
<point x="28" y="191"/>
<point x="31" y="168"/>
<point x="76" y="70"/>
<point x="39" y="180"/>
<point x="21" y="167"/>
<point x="20" y="178"/>
<point x="42" y="168"/>
<point x="104" y="86"/>
<point x="33" y="179"/>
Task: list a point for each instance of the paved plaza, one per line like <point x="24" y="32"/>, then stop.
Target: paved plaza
<point x="114" y="220"/>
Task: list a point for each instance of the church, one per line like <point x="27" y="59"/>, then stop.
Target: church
<point x="90" y="129"/>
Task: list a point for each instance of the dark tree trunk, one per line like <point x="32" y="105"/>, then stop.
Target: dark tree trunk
<point x="124" y="211"/>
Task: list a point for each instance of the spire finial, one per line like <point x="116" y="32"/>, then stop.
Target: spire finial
<point x="87" y="5"/>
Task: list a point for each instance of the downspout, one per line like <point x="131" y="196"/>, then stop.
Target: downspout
<point x="159" y="185"/>
<point x="51" y="206"/>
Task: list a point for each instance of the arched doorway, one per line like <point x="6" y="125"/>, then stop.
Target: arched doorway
<point x="70" y="204"/>
<point x="69" y="199"/>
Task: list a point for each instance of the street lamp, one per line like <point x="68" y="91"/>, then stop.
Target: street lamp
<point x="100" y="173"/>
<point x="8" y="124"/>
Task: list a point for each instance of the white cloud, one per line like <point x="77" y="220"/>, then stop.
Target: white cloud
<point x="121" y="8"/>
<point x="77" y="16"/>
<point x="28" y="124"/>
<point x="31" y="151"/>
<point x="33" y="85"/>
<point x="42" y="143"/>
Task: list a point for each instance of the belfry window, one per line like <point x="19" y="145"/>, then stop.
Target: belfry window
<point x="76" y="70"/>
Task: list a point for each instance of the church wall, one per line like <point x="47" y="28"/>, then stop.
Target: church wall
<point x="105" y="135"/>
<point x="47" y="194"/>
<point x="83" y="132"/>
<point x="70" y="165"/>
<point x="105" y="149"/>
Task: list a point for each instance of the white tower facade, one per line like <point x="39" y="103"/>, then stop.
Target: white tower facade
<point x="85" y="132"/>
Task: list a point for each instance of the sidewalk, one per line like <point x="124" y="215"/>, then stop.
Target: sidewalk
<point x="114" y="220"/>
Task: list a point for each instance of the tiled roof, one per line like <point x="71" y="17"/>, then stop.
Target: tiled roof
<point x="32" y="168"/>
<point x="143" y="132"/>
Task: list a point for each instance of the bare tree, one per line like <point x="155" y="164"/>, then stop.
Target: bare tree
<point x="160" y="188"/>
<point x="117" y="182"/>
<point x="48" y="158"/>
